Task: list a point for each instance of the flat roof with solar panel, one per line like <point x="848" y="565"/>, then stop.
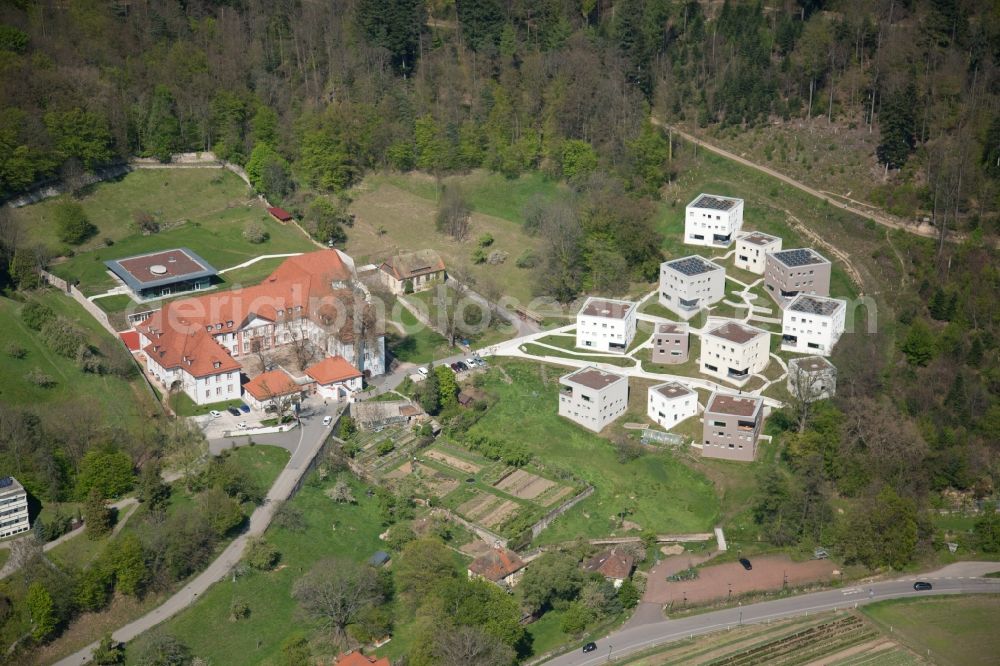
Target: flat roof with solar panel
<point x="800" y="257"/>
<point x="715" y="202"/>
<point x="816" y="305"/>
<point x="9" y="484"/>
<point x="693" y="265"/>
<point x="759" y="238"/>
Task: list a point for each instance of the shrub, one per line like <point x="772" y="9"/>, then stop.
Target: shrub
<point x="479" y="256"/>
<point x="63" y="337"/>
<point x="239" y="609"/>
<point x="261" y="554"/>
<point x="527" y="260"/>
<point x="35" y="315"/>
<point x="72" y="225"/>
<point x="39" y="378"/>
<point x="254" y="232"/>
<point x="486" y="240"/>
<point x="145" y="222"/>
<point x="15" y="350"/>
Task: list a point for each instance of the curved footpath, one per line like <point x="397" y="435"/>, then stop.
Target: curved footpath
<point x="310" y="440"/>
<point x="959" y="578"/>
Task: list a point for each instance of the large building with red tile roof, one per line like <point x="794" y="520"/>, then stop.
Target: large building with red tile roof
<point x="356" y="658"/>
<point x="312" y="298"/>
<point x="270" y="387"/>
<point x="335" y="377"/>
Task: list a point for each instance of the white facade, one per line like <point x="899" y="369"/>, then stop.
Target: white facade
<point x="734" y="352"/>
<point x="606" y="325"/>
<point x="712" y="220"/>
<point x="670" y="403"/>
<point x="13" y="508"/>
<point x="689" y="284"/>
<point x="203" y="390"/>
<point x="812" y="324"/>
<point x="340" y="390"/>
<point x="593" y="398"/>
<point x="752" y="248"/>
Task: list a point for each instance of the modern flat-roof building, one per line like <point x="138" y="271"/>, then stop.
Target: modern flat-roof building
<point x="671" y="343"/>
<point x="792" y="272"/>
<point x="752" y="248"/>
<point x="733" y="351"/>
<point x="731" y="426"/>
<point x="812" y="378"/>
<point x="670" y="403"/>
<point x="812" y="324"/>
<point x="712" y="220"/>
<point x="159" y="274"/>
<point x="593" y="397"/>
<point x="605" y="325"/>
<point x="691" y="283"/>
<point x="13" y="508"/>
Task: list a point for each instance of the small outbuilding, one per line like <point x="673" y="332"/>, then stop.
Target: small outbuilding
<point x="420" y="270"/>
<point x="280" y="214"/>
<point x="500" y="566"/>
<point x="615" y="565"/>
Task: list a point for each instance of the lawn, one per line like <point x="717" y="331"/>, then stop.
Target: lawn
<point x="955" y="630"/>
<point x="203" y="209"/>
<point x="537" y="350"/>
<point x="331" y="531"/>
<point x="396" y="214"/>
<point x="442" y="305"/>
<point x="420" y="344"/>
<point x="116" y="400"/>
<point x="661" y="492"/>
<point x="183" y="405"/>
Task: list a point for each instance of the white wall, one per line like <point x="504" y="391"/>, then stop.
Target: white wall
<point x="668" y="412"/>
<point x="751" y="257"/>
<point x="597" y="333"/>
<point x="723" y="354"/>
<point x="707" y="288"/>
<point x="707" y="222"/>
<point x="603" y="406"/>
<point x="816" y="334"/>
<point x="14" y="514"/>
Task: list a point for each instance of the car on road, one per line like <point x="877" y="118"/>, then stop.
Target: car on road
<point x="233" y="411"/>
<point x="422" y="370"/>
<point x="472" y="363"/>
<point x="245" y="408"/>
<point x="462" y="367"/>
<point x="215" y="414"/>
<point x="590" y="647"/>
<point x="242" y="425"/>
<point x="454" y="367"/>
<point x="327" y="420"/>
<point x="746" y="563"/>
<point x="921" y="585"/>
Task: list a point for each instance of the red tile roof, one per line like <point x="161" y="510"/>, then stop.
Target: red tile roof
<point x="273" y="384"/>
<point x="191" y="349"/>
<point x="332" y="369"/>
<point x="611" y="564"/>
<point x="497" y="564"/>
<point x="131" y="340"/>
<point x="355" y="658"/>
<point x="279" y="213"/>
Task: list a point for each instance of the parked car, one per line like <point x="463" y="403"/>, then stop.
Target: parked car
<point x="746" y="563"/>
<point x="455" y="367"/>
<point x="327" y="420"/>
<point x="422" y="370"/>
<point x="245" y="408"/>
<point x="242" y="425"/>
<point x="921" y="585"/>
<point x="233" y="411"/>
<point x="464" y="366"/>
<point x="590" y="647"/>
<point x="215" y="414"/>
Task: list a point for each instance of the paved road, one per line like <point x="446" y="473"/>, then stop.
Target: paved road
<point x="960" y="578"/>
<point x="311" y="436"/>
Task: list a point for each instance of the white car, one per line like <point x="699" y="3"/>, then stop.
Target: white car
<point x="215" y="414"/>
<point x="327" y="420"/>
<point x="242" y="425"/>
<point x="471" y="362"/>
<point x="422" y="370"/>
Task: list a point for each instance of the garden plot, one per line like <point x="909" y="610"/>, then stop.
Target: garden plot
<point x="452" y="461"/>
<point x="523" y="484"/>
<point x="499" y="514"/>
<point x="556" y="495"/>
<point x="436" y="482"/>
<point x="479" y="505"/>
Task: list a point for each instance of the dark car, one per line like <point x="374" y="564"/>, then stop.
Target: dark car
<point x="245" y="408"/>
<point x="462" y="366"/>
<point x="922" y="585"/>
<point x="454" y="367"/>
<point x="746" y="563"/>
<point x="590" y="647"/>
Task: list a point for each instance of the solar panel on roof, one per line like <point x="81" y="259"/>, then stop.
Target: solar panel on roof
<point x="6" y="481"/>
<point x="811" y="305"/>
<point x="691" y="266"/>
<point x="714" y="203"/>
<point x="802" y="257"/>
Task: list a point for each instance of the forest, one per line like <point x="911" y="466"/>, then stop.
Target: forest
<point x="311" y="96"/>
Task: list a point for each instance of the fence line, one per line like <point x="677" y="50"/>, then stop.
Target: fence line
<point x="547" y="519"/>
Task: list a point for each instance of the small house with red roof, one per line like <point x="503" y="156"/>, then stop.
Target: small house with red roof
<point x="269" y="388"/>
<point x="280" y="214"/>
<point x="614" y="564"/>
<point x="500" y="566"/>
<point x="335" y="378"/>
<point x="356" y="658"/>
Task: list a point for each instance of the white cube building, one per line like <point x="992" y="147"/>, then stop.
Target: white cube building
<point x="691" y="283"/>
<point x="670" y="403"/>
<point x="13" y="508"/>
<point x="751" y="249"/>
<point x="712" y="220"/>
<point x="734" y="352"/>
<point x="593" y="397"/>
<point x="812" y="324"/>
<point x="606" y="325"/>
<point x="812" y="378"/>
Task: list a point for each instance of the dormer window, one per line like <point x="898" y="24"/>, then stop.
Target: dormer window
<point x="217" y="364"/>
<point x="289" y="311"/>
<point x="218" y="327"/>
<point x="229" y="324"/>
<point x="298" y="307"/>
<point x="208" y="328"/>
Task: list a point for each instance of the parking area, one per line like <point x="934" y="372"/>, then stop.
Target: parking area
<point x="215" y="427"/>
<point x="722" y="580"/>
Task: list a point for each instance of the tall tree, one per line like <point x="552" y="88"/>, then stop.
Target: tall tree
<point x="336" y="592"/>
